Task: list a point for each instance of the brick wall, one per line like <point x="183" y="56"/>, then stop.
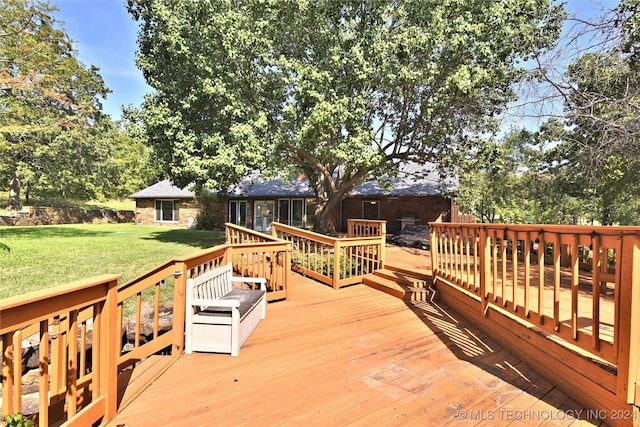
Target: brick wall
<point x="424" y="209"/>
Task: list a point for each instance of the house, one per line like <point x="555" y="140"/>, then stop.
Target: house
<point x="416" y="196"/>
<point x="165" y="204"/>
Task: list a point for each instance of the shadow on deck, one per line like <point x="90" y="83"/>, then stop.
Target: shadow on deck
<point x="355" y="356"/>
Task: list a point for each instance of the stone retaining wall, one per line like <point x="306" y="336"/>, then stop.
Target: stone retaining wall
<point x="66" y="215"/>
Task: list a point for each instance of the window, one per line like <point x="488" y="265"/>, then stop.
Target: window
<point x="297" y="213"/>
<point x="284" y="216"/>
<point x="291" y="212"/>
<point x="310" y="213"/>
<point x="370" y="209"/>
<point x="166" y="211"/>
<point x="238" y="212"/>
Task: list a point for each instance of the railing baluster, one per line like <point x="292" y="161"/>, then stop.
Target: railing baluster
<point x="527" y="272"/>
<point x="556" y="282"/>
<point x="595" y="291"/>
<point x="575" y="281"/>
<point x="514" y="263"/>
<point x="43" y="385"/>
<point x="156" y="308"/>
<point x="72" y="368"/>
<point x="541" y="291"/>
<point x="17" y="369"/>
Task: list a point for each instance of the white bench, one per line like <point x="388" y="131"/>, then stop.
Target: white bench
<point x="219" y="318"/>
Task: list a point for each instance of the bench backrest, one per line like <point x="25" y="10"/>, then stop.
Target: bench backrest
<point x="213" y="284"/>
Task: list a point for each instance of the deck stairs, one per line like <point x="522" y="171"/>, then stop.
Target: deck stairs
<point x="403" y="283"/>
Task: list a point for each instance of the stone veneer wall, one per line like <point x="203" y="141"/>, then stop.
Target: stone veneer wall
<point x="66" y="215"/>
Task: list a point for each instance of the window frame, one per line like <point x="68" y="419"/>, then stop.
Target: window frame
<point x="159" y="210"/>
<point x="240" y="208"/>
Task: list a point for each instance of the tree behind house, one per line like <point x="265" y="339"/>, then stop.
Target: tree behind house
<point x="54" y="140"/>
<point x="340" y="91"/>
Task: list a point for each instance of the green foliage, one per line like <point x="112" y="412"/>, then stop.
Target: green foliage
<point x="16" y="420"/>
<point x="54" y="139"/>
<point x="630" y="23"/>
<point x="324" y="265"/>
<point x="46" y="92"/>
<point x="508" y="183"/>
<point x="339" y="91"/>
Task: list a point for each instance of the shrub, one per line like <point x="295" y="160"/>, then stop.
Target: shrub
<point x="16" y="420"/>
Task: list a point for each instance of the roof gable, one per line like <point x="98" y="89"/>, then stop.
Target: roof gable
<point x="163" y="190"/>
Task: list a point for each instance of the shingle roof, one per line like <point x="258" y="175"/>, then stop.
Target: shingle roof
<point x="254" y="186"/>
<point x="413" y="180"/>
<point x="163" y="190"/>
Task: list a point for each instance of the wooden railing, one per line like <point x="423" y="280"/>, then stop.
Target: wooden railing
<point x="273" y="262"/>
<point x="366" y="228"/>
<point x="83" y="389"/>
<point x="55" y="321"/>
<point x="336" y="262"/>
<point x="577" y="286"/>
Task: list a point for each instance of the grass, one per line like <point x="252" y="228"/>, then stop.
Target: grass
<point x="47" y="256"/>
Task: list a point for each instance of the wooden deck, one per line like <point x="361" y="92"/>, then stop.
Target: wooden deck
<point x="353" y="356"/>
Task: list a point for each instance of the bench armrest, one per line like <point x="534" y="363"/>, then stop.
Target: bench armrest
<point x="261" y="280"/>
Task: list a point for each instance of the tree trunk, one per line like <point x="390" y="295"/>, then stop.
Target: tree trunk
<point x="326" y="216"/>
<point x="14" y="192"/>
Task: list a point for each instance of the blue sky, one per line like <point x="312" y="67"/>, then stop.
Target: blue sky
<point x="105" y="36"/>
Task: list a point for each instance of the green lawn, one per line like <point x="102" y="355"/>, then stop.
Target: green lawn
<point x="46" y="256"/>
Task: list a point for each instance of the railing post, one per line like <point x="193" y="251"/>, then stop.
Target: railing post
<point x="287" y="269"/>
<point x="7" y="373"/>
<point x="231" y="234"/>
<point x="629" y="320"/>
<point x="434" y="249"/>
<point x="179" y="301"/>
<point x="485" y="266"/>
<point x="383" y="244"/>
<point x="336" y="265"/>
<point x="109" y="351"/>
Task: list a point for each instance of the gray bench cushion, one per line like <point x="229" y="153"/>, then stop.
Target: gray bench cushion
<point x="247" y="297"/>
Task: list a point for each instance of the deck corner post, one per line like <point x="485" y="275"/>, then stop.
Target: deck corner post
<point x="629" y="320"/>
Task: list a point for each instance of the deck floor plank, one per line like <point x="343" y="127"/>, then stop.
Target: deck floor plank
<point x="353" y="356"/>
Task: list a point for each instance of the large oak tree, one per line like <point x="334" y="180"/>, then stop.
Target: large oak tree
<point x="54" y="140"/>
<point x="44" y="91"/>
<point x="341" y="91"/>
